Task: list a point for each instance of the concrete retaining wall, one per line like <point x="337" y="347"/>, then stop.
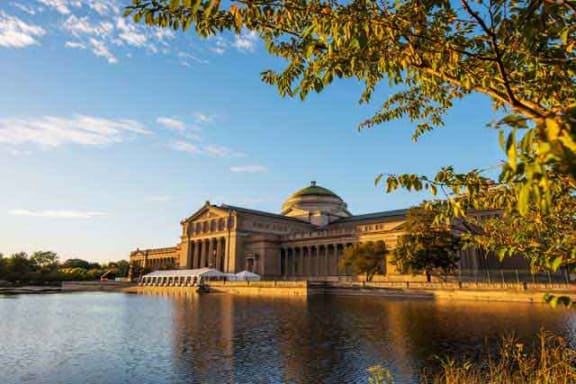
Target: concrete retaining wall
<point x="259" y="288"/>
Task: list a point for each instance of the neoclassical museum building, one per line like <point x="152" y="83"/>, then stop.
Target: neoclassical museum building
<point x="306" y="239"/>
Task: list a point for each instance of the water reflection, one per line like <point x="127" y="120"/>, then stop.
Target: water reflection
<point x="116" y="338"/>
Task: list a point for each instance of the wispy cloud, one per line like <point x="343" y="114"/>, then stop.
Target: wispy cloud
<point x="74" y="44"/>
<point x="95" y="24"/>
<point x="15" y="33"/>
<point x="57" y="214"/>
<point x="253" y="168"/>
<point x="208" y="150"/>
<point x="220" y="151"/>
<point x="99" y="48"/>
<point x="24" y="8"/>
<point x="62" y="6"/>
<point x="184" y="146"/>
<point x="202" y="118"/>
<point x="186" y="58"/>
<point x="246" y="41"/>
<point x="79" y="26"/>
<point x="130" y="34"/>
<point x="49" y="131"/>
<point x="169" y="122"/>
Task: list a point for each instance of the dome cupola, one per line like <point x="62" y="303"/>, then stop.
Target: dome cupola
<point x="316" y="205"/>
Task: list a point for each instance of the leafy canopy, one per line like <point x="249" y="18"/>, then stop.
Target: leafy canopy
<point x="519" y="53"/>
<point x="425" y="247"/>
<point x="365" y="258"/>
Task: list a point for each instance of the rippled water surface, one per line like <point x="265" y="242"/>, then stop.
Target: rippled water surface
<point x="121" y="338"/>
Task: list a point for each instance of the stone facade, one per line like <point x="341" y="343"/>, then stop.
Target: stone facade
<point x="306" y="240"/>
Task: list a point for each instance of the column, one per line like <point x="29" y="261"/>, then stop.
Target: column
<point x="222" y="253"/>
<point x="196" y="258"/>
<point x="325" y="260"/>
<point x="287" y="262"/>
<point x="203" y="254"/>
<point x="210" y="256"/>
<point x="335" y="260"/>
<point x="305" y="260"/>
<point x="219" y="248"/>
<point x="190" y="260"/>
<point x="317" y="260"/>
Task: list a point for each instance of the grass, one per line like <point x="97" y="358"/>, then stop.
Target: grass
<point x="550" y="360"/>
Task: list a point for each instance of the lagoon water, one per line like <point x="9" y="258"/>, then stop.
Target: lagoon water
<point x="218" y="338"/>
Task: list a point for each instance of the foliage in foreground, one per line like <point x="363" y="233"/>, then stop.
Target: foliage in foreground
<point x="550" y="360"/>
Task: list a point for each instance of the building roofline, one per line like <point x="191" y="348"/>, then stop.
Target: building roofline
<point x="371" y="216"/>
<point x="262" y="213"/>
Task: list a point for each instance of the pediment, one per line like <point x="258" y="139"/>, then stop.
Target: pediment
<point x="207" y="212"/>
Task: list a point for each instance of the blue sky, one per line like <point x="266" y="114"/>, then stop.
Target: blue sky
<point x="111" y="133"/>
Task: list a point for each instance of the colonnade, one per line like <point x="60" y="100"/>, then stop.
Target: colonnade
<point x="314" y="260"/>
<point x="207" y="253"/>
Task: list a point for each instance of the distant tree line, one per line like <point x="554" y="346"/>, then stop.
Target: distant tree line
<point x="43" y="267"/>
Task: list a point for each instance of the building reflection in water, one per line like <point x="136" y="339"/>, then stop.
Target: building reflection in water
<point x="221" y="338"/>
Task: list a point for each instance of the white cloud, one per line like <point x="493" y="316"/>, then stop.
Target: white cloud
<point x="24" y="8"/>
<point x="221" y="45"/>
<point x="74" y="44"/>
<point x="169" y="122"/>
<point x="255" y="168"/>
<point x="246" y="41"/>
<point x="57" y="214"/>
<point x="82" y="26"/>
<point x="51" y="132"/>
<point x="208" y="150"/>
<point x="202" y="118"/>
<point x="102" y="7"/>
<point x="15" y="33"/>
<point x="187" y="57"/>
<point x="191" y="136"/>
<point x="61" y="5"/>
<point x="162" y="34"/>
<point x="99" y="48"/>
<point x="220" y="151"/>
<point x="129" y="33"/>
<point x="184" y="146"/>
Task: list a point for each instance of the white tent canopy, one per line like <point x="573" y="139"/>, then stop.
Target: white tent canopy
<point x="204" y="272"/>
<point x="247" y="275"/>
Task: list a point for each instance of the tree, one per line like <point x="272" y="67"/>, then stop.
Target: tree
<point x="519" y="53"/>
<point x="426" y="247"/>
<point x="19" y="267"/>
<point x="76" y="263"/>
<point x="3" y="263"/>
<point x="548" y="239"/>
<point x="123" y="266"/>
<point x="44" y="261"/>
<point x="365" y="258"/>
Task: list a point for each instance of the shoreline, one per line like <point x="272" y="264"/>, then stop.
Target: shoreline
<point x="304" y="289"/>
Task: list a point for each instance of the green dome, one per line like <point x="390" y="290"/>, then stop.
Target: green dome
<point x="314" y="190"/>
